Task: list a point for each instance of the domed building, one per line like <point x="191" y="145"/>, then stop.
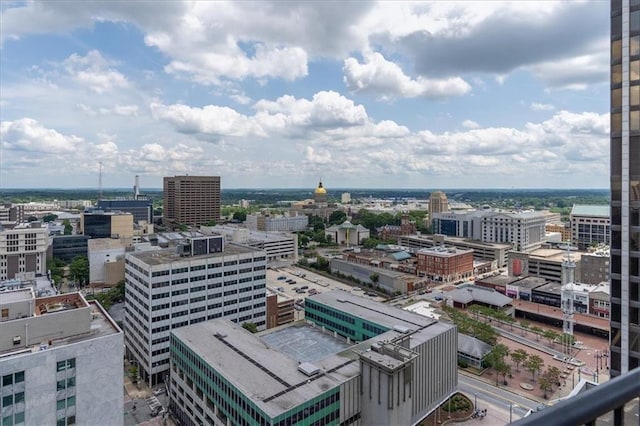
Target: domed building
<point x="320" y="196"/>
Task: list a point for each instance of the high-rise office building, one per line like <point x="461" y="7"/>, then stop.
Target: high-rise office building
<point x="438" y="203"/>
<point x="191" y="200"/>
<point x="625" y="185"/>
<point x="198" y="280"/>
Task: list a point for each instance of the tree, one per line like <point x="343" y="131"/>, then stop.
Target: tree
<point x="375" y="277"/>
<point x="32" y="219"/>
<point x="250" y="326"/>
<point x="550" y="335"/>
<point x="210" y="223"/>
<point x="240" y="215"/>
<point x="519" y="356"/>
<point x="133" y="373"/>
<point x="504" y="370"/>
<point x="337" y="217"/>
<point x="68" y="228"/>
<point x="537" y="331"/>
<point x="533" y="364"/>
<point x="546" y="384"/>
<point x="79" y="270"/>
<point x="554" y="373"/>
<point x="49" y="217"/>
<point x="496" y="359"/>
<point x="525" y="326"/>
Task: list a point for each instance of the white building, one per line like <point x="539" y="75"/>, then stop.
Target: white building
<point x="106" y="259"/>
<point x="590" y="225"/>
<point x="199" y="279"/>
<point x="23" y="249"/>
<point x="279" y="246"/>
<point x="277" y="223"/>
<point x="60" y="361"/>
<point x="347" y="233"/>
<point x="345" y="198"/>
<point x="525" y="230"/>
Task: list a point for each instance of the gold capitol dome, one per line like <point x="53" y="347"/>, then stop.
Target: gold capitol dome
<point x="320" y="189"/>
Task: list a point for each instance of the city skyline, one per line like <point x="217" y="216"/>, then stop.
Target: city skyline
<point x="278" y="95"/>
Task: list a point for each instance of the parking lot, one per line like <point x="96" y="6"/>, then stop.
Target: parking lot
<point x="299" y="283"/>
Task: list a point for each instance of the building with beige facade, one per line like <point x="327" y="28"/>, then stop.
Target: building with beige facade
<point x="191" y="200"/>
<point x="101" y="224"/>
<point x="23" y="249"/>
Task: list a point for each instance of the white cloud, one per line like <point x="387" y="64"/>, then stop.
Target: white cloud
<point x="536" y="106"/>
<point x="93" y="72"/>
<point x="470" y="124"/>
<point x="387" y="80"/>
<point x="28" y="135"/>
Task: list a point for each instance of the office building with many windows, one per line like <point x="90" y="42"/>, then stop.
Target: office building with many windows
<point x="23" y="249"/>
<point x="191" y="200"/>
<point x="198" y="279"/>
<point x="590" y="225"/>
<point x="60" y="361"/>
<point x="625" y="186"/>
<point x="362" y="363"/>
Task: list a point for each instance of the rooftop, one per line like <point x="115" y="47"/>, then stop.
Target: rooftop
<point x="589" y="210"/>
<point x="468" y="293"/>
<point x="168" y="255"/>
<point x="18" y="295"/>
<point x="443" y="251"/>
<point x="472" y="346"/>
<point x="304" y="343"/>
<point x="370" y="310"/>
<point x="268" y="376"/>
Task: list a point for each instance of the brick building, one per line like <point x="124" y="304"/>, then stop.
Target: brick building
<point x="445" y="264"/>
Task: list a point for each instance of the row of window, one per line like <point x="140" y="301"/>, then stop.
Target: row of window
<point x="10" y="379"/>
<point x="328" y="311"/>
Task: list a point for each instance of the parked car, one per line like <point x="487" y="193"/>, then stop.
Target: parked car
<point x="282" y="277"/>
<point x="304" y="287"/>
<point x="372" y="294"/>
<point x="313" y="291"/>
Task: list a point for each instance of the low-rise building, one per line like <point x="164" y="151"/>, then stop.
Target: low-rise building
<point x="386" y="280"/>
<point x="347" y="233"/>
<point x="66" y="247"/>
<point x="494" y="252"/>
<point x="277" y="223"/>
<point x="60" y="361"/>
<point x="279" y="246"/>
<point x="446" y="264"/>
<point x="280" y="309"/>
<point x="106" y="260"/>
<point x="100" y="224"/>
<point x="544" y="263"/>
<point x="600" y="300"/>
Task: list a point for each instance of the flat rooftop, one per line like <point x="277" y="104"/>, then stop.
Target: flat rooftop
<point x="19" y="295"/>
<point x="261" y="371"/>
<point x="555" y="255"/>
<point x="304" y="343"/>
<point x="370" y="310"/>
<point x="554" y="288"/>
<point x="168" y="255"/>
<point x="591" y="210"/>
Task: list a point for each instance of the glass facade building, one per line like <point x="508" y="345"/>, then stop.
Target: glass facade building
<point x="625" y="185"/>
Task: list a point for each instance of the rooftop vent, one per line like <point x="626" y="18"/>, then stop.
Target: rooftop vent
<point x="308" y="369"/>
<point x="401" y="329"/>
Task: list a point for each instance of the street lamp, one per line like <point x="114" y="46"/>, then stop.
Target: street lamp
<point x="511" y="405"/>
<point x="475" y="401"/>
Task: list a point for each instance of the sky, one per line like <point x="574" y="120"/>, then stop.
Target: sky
<point x="364" y="94"/>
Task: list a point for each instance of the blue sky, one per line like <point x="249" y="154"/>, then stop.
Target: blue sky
<point x="279" y="94"/>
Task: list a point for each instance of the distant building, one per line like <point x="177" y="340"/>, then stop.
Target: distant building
<point x="60" y="361"/>
<point x="197" y="279"/>
<point x="345" y="198"/>
<point x="525" y="230"/>
<point x="66" y="247"/>
<point x="278" y="246"/>
<point x="100" y="224"/>
<point x="438" y="203"/>
<point x="563" y="228"/>
<point x="590" y="225"/>
<point x="393" y="232"/>
<point x="23" y="249"/>
<point x="320" y="196"/>
<point x="280" y="309"/>
<point x="347" y="233"/>
<point x="446" y="264"/>
<point x="11" y="215"/>
<point x="595" y="266"/>
<point x="106" y="260"/>
<point x="482" y="251"/>
<point x="191" y="200"/>
<point x="277" y="223"/>
<point x="141" y="209"/>
<point x="387" y="280"/>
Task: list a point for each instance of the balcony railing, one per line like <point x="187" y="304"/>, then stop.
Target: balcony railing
<point x="586" y="407"/>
